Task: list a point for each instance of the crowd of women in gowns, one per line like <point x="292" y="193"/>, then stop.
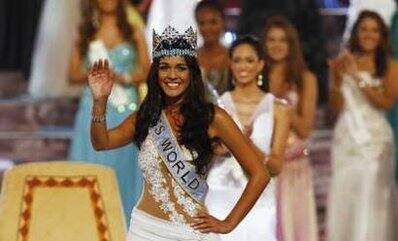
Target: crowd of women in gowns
<point x="274" y="76"/>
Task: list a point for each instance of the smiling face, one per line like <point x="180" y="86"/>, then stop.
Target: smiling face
<point x="210" y="24"/>
<point x="368" y="34"/>
<point x="277" y="44"/>
<point x="173" y="75"/>
<point x="245" y="64"/>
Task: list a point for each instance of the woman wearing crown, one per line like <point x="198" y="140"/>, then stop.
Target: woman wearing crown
<point x="175" y="129"/>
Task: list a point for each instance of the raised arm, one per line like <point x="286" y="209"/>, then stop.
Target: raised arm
<point x="384" y="97"/>
<point x="258" y="177"/>
<point x="381" y="97"/>
<point x="100" y="80"/>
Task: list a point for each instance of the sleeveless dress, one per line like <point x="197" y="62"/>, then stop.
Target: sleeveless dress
<point x="361" y="199"/>
<point x="123" y="160"/>
<point x="296" y="206"/>
<point x="227" y="180"/>
<point x="165" y="209"/>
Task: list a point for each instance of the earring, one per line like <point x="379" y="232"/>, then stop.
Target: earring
<point x="260" y="80"/>
<point x="95" y="19"/>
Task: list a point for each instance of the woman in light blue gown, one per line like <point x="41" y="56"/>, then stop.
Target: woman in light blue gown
<point x="106" y="33"/>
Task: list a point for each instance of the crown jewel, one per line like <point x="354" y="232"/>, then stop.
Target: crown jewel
<point x="172" y="43"/>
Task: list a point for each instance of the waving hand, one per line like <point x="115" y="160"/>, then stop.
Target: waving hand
<point x="100" y="79"/>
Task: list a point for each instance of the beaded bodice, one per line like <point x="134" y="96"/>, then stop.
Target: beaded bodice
<point x="163" y="196"/>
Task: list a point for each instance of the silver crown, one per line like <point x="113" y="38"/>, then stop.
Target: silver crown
<point x="172" y="43"/>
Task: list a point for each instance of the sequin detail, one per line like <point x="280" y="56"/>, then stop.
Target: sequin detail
<point x="189" y="206"/>
<point x="150" y="164"/>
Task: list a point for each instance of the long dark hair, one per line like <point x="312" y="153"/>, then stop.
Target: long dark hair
<point x="197" y="113"/>
<point x="256" y="45"/>
<point x="295" y="59"/>
<point x="383" y="51"/>
<point x="88" y="29"/>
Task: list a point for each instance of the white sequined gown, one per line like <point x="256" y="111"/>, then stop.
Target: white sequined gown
<point x="165" y="209"/>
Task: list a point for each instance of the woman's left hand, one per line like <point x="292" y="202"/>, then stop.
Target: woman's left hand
<point x="100" y="79"/>
<point x="205" y="223"/>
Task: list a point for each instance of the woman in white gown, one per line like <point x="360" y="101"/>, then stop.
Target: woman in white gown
<point x="52" y="50"/>
<point x="265" y="121"/>
<point x="365" y="85"/>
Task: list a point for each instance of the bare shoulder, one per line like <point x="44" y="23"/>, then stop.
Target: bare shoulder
<point x="393" y="62"/>
<point x="220" y="116"/>
<point x="309" y="78"/>
<point x="391" y="82"/>
<point x="221" y="120"/>
<point x="393" y="65"/>
<point x="392" y="71"/>
<point x="282" y="108"/>
<point x="138" y="35"/>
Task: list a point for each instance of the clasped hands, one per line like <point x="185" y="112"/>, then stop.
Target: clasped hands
<point x="344" y="63"/>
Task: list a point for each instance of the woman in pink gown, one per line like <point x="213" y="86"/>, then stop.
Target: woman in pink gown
<point x="289" y="77"/>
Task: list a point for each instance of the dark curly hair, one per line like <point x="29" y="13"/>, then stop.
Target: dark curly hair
<point x="87" y="28"/>
<point x="197" y="113"/>
<point x="384" y="49"/>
